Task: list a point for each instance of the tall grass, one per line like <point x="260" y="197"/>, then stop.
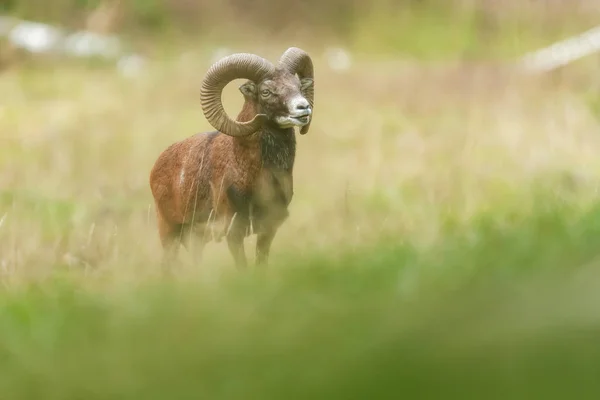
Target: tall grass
<point x="421" y="145"/>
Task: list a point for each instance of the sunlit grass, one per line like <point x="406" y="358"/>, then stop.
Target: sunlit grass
<point x="393" y="149"/>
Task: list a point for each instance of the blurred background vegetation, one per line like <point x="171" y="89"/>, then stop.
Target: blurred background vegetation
<point x="426" y="28"/>
<point x="444" y="235"/>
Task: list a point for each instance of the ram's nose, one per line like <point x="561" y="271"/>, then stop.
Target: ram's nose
<point x="301" y="106"/>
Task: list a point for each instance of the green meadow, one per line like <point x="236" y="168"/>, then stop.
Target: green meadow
<point x="443" y="238"/>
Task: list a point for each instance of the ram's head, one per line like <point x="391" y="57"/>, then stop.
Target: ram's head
<point x="284" y="94"/>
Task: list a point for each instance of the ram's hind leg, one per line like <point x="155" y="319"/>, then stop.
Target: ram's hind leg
<point x="195" y="239"/>
<point x="170" y="239"/>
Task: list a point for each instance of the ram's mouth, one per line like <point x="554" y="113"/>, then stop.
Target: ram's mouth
<point x="293" y="120"/>
<point x="303" y="119"/>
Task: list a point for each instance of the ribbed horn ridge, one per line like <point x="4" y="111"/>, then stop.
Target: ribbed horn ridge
<point x="235" y="66"/>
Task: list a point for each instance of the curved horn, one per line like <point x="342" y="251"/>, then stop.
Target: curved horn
<point x="235" y="66"/>
<point x="297" y="61"/>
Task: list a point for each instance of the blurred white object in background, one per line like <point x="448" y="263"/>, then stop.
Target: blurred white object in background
<point x="35" y="37"/>
<point x="338" y="59"/>
<point x="563" y="52"/>
<point x="89" y="44"/>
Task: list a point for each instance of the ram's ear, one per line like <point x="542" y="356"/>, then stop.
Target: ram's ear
<point x="248" y="89"/>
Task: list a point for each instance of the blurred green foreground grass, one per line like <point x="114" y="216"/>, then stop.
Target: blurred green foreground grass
<point x="495" y="313"/>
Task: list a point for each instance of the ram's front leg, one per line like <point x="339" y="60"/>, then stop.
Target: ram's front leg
<point x="238" y="207"/>
<point x="270" y="219"/>
<point x="263" y="245"/>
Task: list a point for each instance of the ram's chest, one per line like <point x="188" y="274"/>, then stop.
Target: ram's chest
<point x="263" y="177"/>
<point x="278" y="150"/>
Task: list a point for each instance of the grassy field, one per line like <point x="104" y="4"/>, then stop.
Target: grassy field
<point x="443" y="239"/>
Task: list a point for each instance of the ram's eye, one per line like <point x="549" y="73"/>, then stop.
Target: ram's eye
<point x="266" y="92"/>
